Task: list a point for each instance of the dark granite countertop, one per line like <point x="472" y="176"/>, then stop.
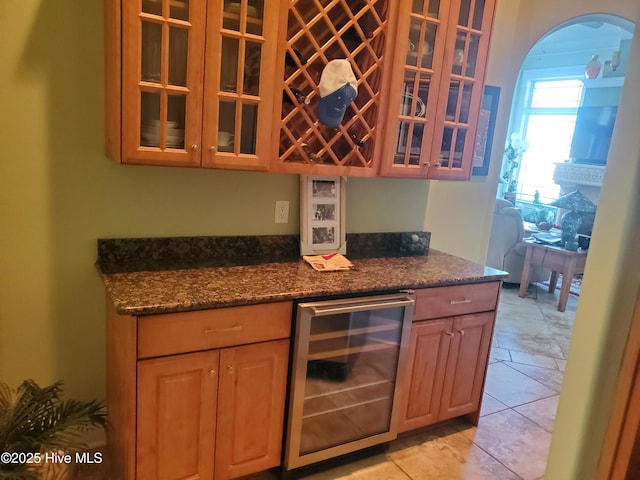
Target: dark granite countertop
<point x="166" y="291"/>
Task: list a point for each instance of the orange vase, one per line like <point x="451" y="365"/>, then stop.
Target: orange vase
<point x="593" y="68"/>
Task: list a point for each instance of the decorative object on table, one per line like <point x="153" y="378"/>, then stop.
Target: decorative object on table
<point x="547" y="238"/>
<point x="512" y="154"/>
<point x="486" y="127"/>
<point x="577" y="204"/>
<point x="35" y="421"/>
<point x="592" y="70"/>
<point x="322" y="215"/>
<point x="584" y="241"/>
<point x="544" y="226"/>
<point x="539" y="214"/>
<point x="571" y="245"/>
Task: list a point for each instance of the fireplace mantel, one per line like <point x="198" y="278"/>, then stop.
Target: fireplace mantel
<point x="577" y="176"/>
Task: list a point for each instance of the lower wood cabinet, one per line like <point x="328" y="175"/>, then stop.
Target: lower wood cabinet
<point x="180" y="426"/>
<point x="448" y="356"/>
<point x="216" y="413"/>
<point x="201" y="394"/>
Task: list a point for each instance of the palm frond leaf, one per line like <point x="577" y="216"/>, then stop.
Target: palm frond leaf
<point x="35" y="419"/>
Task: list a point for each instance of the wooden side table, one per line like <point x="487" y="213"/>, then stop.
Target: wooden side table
<point x="558" y="260"/>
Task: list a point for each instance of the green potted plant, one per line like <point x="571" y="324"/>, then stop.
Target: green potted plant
<point x="36" y="424"/>
<point x="512" y="154"/>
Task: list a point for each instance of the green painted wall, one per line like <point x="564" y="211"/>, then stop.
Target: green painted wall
<point x="59" y="194"/>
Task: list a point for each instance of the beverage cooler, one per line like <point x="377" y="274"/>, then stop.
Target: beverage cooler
<point x="344" y="386"/>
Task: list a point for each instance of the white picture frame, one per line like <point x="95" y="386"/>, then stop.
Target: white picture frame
<point x="322" y="216"/>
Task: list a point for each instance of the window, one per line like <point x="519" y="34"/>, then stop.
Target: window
<point x="548" y="118"/>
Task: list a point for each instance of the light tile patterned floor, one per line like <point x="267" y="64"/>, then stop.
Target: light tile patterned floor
<point x="511" y="442"/>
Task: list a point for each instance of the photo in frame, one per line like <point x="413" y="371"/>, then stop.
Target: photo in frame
<point x="486" y="127"/>
<point x="322" y="215"/>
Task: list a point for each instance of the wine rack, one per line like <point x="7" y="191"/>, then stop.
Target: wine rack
<point x="318" y="31"/>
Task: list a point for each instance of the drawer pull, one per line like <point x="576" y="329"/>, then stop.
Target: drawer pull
<point x="235" y="328"/>
<point x="458" y="302"/>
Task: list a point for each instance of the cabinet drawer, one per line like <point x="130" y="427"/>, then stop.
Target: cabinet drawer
<point x="455" y="300"/>
<point x="206" y="329"/>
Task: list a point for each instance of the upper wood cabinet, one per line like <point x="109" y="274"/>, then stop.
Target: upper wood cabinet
<point x="436" y="88"/>
<point x="316" y="32"/>
<point x="235" y="84"/>
<point x="190" y="82"/>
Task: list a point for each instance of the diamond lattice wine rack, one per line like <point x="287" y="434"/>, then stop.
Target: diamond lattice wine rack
<point x="319" y="31"/>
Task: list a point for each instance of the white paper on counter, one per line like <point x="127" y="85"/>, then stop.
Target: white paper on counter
<point x="329" y="263"/>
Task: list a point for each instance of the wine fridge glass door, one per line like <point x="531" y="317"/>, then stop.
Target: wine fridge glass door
<point x="347" y="354"/>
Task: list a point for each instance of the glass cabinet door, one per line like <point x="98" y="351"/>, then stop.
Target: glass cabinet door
<point x="241" y="35"/>
<point x="162" y="71"/>
<point x="436" y="87"/>
<point x="462" y="87"/>
<point x="415" y="115"/>
<point x="420" y="43"/>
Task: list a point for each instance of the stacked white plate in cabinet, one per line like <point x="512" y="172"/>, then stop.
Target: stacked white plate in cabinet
<point x="235" y="8"/>
<point x="151" y="134"/>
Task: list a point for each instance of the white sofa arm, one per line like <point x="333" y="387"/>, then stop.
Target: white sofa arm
<point x="520" y="248"/>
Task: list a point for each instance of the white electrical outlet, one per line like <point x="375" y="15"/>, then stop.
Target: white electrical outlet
<point x="282" y="211"/>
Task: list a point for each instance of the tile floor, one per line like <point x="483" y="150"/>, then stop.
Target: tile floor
<point x="511" y="442"/>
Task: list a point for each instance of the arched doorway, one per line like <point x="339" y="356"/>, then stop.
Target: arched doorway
<point x="561" y="123"/>
<point x="566" y="111"/>
<point x="554" y="42"/>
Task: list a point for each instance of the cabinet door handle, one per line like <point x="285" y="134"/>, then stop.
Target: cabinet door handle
<point x="230" y="368"/>
<point x="458" y="302"/>
<point x="212" y="372"/>
<point x="194" y="147"/>
<point x="235" y="328"/>
<point x="450" y="334"/>
<point x="212" y="149"/>
<point x="461" y="332"/>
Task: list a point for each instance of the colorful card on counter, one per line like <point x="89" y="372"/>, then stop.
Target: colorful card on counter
<point x="329" y="263"/>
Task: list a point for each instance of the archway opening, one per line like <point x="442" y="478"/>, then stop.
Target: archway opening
<point x="564" y="111"/>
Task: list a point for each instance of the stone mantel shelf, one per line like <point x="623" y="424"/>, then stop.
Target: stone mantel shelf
<point x="578" y="174"/>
